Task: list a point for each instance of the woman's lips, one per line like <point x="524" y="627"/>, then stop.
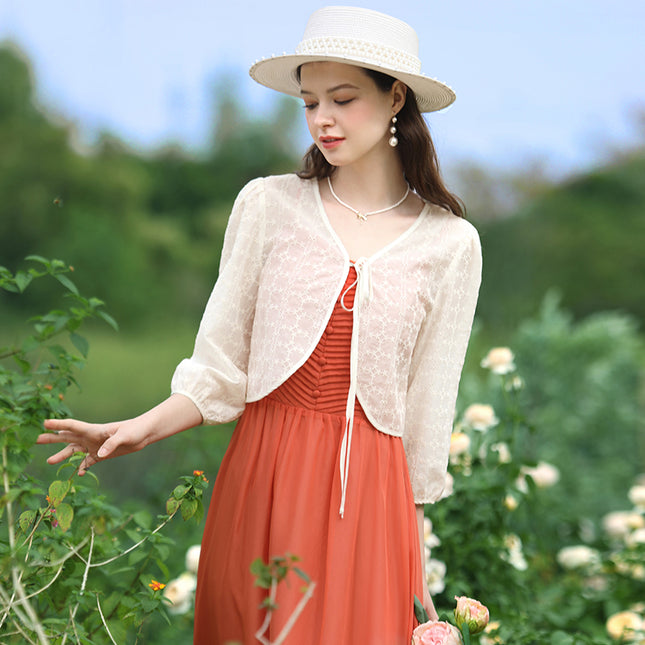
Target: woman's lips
<point x="330" y="142"/>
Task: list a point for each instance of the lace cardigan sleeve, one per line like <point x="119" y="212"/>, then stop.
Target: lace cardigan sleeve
<point x="215" y="377"/>
<point x="436" y="367"/>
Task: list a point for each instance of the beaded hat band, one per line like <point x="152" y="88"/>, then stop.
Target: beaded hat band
<point x="360" y="37"/>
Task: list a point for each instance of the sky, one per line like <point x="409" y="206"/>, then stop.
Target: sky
<point x="551" y="80"/>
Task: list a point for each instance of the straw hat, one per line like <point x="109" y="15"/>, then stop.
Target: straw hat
<point x="358" y="37"/>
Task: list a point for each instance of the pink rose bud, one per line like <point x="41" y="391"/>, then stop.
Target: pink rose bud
<point x="472" y="613"/>
<point x="436" y="633"/>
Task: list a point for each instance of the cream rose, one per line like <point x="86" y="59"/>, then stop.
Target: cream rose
<point x="499" y="360"/>
<point x="618" y="524"/>
<point x="544" y="474"/>
<point x="472" y="613"/>
<point x="192" y="558"/>
<point x="637" y="496"/>
<point x="459" y="443"/>
<point x="180" y="593"/>
<point x="436" y="633"/>
<point x="624" y="626"/>
<point x="577" y="557"/>
<point x="480" y="416"/>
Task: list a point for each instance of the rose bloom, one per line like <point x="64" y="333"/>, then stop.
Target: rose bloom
<point x="459" y="443"/>
<point x="624" y="625"/>
<point x="576" y="557"/>
<point x="503" y="452"/>
<point x="486" y="638"/>
<point x="618" y="524"/>
<point x="514" y="556"/>
<point x="510" y="502"/>
<point x="544" y="475"/>
<point x="472" y="613"/>
<point x="180" y="593"/>
<point x="435" y="576"/>
<point x="436" y="633"/>
<point x="499" y="360"/>
<point x="429" y="538"/>
<point x="192" y="558"/>
<point x="480" y="416"/>
<point x="448" y="488"/>
<point x="635" y="538"/>
<point x="637" y="496"/>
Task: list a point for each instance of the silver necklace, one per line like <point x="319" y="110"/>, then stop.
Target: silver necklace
<point x="363" y="216"/>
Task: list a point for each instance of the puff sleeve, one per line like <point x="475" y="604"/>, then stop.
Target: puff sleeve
<point x="436" y="366"/>
<point x="215" y="377"/>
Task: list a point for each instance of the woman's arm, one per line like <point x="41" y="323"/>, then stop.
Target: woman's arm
<point x="106" y="440"/>
<point x="427" y="599"/>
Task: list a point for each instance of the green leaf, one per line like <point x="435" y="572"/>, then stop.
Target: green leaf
<point x="80" y="343"/>
<point x="57" y="492"/>
<point x="172" y="505"/>
<point x="66" y="282"/>
<point x="26" y="520"/>
<point x="38" y="258"/>
<point x="108" y="319"/>
<point x="188" y="508"/>
<point x="22" y="280"/>
<point x="420" y="612"/>
<point x="180" y="491"/>
<point x="64" y="515"/>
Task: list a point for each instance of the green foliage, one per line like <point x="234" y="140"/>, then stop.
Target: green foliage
<point x="504" y="524"/>
<point x="72" y="565"/>
<point x="138" y="228"/>
<point x="583" y="237"/>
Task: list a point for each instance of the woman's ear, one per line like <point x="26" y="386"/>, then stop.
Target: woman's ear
<point x="399" y="91"/>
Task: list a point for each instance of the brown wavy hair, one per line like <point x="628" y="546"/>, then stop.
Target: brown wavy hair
<point x="416" y="151"/>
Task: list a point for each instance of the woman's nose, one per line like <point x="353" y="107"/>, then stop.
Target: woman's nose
<point x="324" y="116"/>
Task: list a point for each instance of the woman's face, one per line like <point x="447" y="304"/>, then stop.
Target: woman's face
<point x="348" y="116"/>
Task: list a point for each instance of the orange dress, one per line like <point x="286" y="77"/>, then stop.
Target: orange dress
<point x="278" y="492"/>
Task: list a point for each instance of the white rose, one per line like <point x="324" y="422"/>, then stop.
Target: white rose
<point x="621" y="626"/>
<point x="503" y="452"/>
<point x="635" y="538"/>
<point x="514" y="554"/>
<point x="576" y="557"/>
<point x="435" y="576"/>
<point x="544" y="475"/>
<point x="637" y="496"/>
<point x="192" y="558"/>
<point x="459" y="443"/>
<point x="449" y="487"/>
<point x="499" y="360"/>
<point x="480" y="416"/>
<point x="180" y="592"/>
<point x="510" y="502"/>
<point x="429" y="538"/>
<point x="618" y="524"/>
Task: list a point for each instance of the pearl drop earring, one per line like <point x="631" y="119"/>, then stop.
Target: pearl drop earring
<point x="393" y="141"/>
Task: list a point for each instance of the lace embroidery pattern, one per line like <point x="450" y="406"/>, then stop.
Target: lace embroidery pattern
<point x="281" y="272"/>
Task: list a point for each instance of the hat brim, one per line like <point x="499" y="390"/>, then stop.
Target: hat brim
<point x="280" y="73"/>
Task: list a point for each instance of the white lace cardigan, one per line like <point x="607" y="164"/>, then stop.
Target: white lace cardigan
<point x="281" y="272"/>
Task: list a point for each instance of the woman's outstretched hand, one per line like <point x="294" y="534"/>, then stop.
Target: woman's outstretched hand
<point x="101" y="441"/>
<point x="97" y="440"/>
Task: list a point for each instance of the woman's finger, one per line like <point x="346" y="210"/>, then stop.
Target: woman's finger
<point x="62" y="455"/>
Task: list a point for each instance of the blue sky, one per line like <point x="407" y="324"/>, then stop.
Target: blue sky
<point x="548" y="79"/>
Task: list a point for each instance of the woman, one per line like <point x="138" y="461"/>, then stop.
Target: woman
<point x="337" y="330"/>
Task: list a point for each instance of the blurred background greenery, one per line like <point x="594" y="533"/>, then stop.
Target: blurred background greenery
<point x="563" y="284"/>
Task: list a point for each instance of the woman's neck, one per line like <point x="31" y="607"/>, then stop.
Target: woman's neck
<point x="370" y="186"/>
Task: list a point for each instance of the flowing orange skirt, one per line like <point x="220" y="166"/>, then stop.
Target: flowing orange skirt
<point x="278" y="492"/>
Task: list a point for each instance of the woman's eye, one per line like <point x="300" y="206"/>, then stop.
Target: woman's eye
<point x="344" y="102"/>
<point x="310" y="106"/>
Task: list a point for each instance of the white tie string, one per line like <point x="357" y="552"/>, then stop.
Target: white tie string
<point x="362" y="296"/>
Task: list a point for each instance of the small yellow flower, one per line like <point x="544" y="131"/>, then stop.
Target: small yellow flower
<point x="156" y="586"/>
<point x="198" y="473"/>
